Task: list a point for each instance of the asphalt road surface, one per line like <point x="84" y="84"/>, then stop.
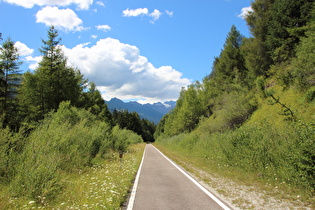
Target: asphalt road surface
<point x="160" y="184"/>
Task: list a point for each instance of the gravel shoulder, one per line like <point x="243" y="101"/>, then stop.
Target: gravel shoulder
<point x="241" y="196"/>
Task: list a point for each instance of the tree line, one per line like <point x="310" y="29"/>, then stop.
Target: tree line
<point x="282" y="47"/>
<point x="27" y="98"/>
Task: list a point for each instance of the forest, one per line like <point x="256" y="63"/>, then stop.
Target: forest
<point x="54" y="122"/>
<point x="254" y="112"/>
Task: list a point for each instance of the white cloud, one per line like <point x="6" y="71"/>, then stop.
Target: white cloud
<point x="169" y="13"/>
<point x="156" y="14"/>
<point x="33" y="61"/>
<point x="245" y="12"/>
<point x="94" y="36"/>
<point x="103" y="27"/>
<point x="120" y="71"/>
<point x="26" y="54"/>
<point x="135" y="12"/>
<point x="23" y="49"/>
<point x="100" y="3"/>
<point x="82" y="4"/>
<point x="64" y="19"/>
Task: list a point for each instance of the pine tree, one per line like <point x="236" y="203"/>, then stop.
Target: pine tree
<point x="229" y="67"/>
<point x="53" y="81"/>
<point x="9" y="82"/>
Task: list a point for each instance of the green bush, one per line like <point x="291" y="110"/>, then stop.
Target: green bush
<point x="66" y="140"/>
<point x="285" y="155"/>
<point x="122" y="138"/>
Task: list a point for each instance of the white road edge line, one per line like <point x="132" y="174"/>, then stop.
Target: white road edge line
<point x="220" y="203"/>
<point x="135" y="185"/>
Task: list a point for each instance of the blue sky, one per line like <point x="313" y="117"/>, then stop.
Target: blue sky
<point x="144" y="50"/>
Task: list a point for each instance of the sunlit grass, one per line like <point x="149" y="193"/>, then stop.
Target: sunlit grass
<point x="104" y="186"/>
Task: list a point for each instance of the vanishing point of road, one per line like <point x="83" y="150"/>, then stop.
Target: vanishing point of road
<point x="161" y="184"/>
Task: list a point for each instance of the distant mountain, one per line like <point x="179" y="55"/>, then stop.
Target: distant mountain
<point x="153" y="112"/>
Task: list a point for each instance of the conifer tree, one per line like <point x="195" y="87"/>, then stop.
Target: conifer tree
<point x="9" y="82"/>
<point x="53" y="81"/>
<point x="230" y="66"/>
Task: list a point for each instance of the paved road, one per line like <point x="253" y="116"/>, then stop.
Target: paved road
<point x="161" y="185"/>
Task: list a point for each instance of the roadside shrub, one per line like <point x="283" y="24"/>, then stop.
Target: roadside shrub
<point x="284" y="155"/>
<point x="66" y="140"/>
<point x="122" y="138"/>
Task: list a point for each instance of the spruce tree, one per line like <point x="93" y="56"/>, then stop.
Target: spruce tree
<point x="230" y="66"/>
<point x="9" y="82"/>
<point x="53" y="81"/>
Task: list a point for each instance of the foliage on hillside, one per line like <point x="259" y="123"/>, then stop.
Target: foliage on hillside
<point x="255" y="111"/>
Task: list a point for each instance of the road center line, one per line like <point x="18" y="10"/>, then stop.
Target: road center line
<point x="214" y="198"/>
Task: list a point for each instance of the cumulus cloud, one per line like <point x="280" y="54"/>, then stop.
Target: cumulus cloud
<point x="33" y="61"/>
<point x="65" y="19"/>
<point x="103" y="27"/>
<point x="120" y="71"/>
<point x="245" y="11"/>
<point x="26" y="54"/>
<point x="82" y="4"/>
<point x="24" y="50"/>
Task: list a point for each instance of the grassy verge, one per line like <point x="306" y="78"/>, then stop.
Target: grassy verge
<point x="103" y="186"/>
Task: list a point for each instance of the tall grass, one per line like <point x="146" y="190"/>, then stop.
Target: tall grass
<point x="284" y="155"/>
<point x="66" y="141"/>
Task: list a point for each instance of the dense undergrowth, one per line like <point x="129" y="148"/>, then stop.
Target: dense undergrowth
<point x="33" y="163"/>
<point x="269" y="146"/>
<point x="104" y="185"/>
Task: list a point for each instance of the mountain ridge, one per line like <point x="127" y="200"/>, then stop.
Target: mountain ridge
<point x="152" y="112"/>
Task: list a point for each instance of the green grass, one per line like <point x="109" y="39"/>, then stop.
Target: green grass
<point x="103" y="186"/>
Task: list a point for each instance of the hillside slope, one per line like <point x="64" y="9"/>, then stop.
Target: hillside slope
<point x="254" y="113"/>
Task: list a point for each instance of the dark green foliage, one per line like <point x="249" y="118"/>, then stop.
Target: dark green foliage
<point x="52" y="82"/>
<point x="305" y="61"/>
<point x="10" y="77"/>
<point x="92" y="100"/>
<point x="131" y="121"/>
<point x="229" y="66"/>
<point x="279" y="25"/>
